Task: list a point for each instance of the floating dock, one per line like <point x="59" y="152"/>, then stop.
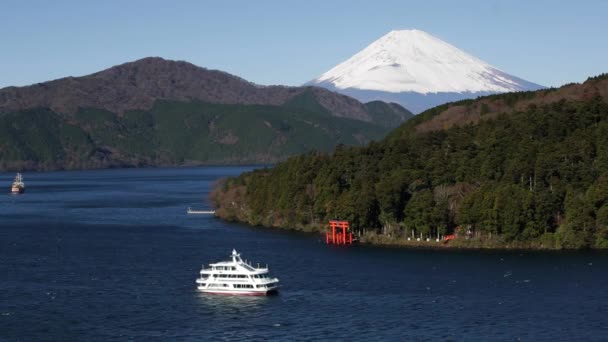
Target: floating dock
<point x="201" y="212"/>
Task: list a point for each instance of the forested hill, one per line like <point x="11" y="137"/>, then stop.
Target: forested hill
<point x="155" y="112"/>
<point x="519" y="169"/>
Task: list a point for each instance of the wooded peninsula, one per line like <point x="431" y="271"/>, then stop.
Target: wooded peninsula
<point x="523" y="170"/>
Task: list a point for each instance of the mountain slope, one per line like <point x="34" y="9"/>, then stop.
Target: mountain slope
<point x="171" y="133"/>
<point x="137" y="85"/>
<point x="515" y="170"/>
<point x="157" y="112"/>
<point x="418" y="71"/>
<point x="388" y="114"/>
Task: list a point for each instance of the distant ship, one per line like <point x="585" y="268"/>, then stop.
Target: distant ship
<point x="18" y="185"/>
<point x="236" y="277"/>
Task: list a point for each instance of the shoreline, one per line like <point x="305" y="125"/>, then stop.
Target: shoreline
<point x="458" y="244"/>
<point x="133" y="166"/>
<point x="376" y="240"/>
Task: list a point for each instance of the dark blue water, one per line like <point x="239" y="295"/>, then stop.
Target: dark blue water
<point x="111" y="255"/>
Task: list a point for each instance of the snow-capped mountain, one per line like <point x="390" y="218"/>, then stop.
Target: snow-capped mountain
<point x="418" y="71"/>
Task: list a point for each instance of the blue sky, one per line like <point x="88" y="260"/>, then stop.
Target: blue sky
<point x="291" y="42"/>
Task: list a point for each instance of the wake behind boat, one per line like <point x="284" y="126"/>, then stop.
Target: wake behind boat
<point x="18" y="186"/>
<point x="236" y="277"/>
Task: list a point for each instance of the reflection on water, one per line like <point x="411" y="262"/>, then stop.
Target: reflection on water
<point x="230" y="304"/>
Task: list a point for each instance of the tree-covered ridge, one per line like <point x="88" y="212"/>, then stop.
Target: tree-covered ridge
<point x="389" y="115"/>
<point x="137" y="85"/>
<point x="173" y="133"/>
<point x="154" y="112"/>
<point x="537" y="175"/>
<point x="467" y="112"/>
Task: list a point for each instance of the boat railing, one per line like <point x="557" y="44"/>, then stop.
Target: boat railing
<point x="255" y="280"/>
<point x="249" y="268"/>
<point x="238" y="280"/>
<point x="255" y="268"/>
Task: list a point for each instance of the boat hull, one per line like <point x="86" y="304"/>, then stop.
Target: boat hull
<point x="16" y="190"/>
<point x="241" y="293"/>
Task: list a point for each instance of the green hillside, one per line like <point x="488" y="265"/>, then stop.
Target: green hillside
<point x="174" y="133"/>
<point x="388" y="115"/>
<point x="525" y="170"/>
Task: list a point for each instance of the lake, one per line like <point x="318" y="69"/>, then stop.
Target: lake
<point x="112" y="255"/>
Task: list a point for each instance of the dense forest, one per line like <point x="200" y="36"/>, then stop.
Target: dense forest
<point x="532" y="171"/>
<point x="178" y="133"/>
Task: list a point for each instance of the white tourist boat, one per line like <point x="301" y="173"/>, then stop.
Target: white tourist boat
<point x="236" y="277"/>
<point x="18" y="186"/>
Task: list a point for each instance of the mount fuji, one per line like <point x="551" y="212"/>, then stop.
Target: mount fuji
<point x="418" y="71"/>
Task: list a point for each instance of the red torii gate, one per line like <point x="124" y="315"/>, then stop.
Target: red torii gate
<point x="340" y="237"/>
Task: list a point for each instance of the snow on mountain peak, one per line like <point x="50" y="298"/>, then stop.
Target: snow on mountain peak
<point x="415" y="61"/>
